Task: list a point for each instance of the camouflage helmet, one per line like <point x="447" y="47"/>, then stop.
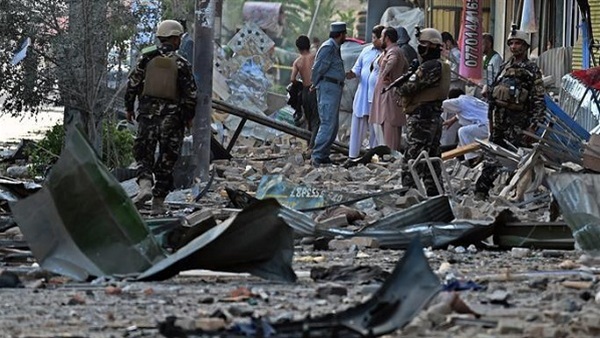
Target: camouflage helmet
<point x="431" y="35"/>
<point x="169" y="28"/>
<point x="518" y="35"/>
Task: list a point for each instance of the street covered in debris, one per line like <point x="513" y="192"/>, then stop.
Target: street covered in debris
<point x="258" y="241"/>
<point x="490" y="269"/>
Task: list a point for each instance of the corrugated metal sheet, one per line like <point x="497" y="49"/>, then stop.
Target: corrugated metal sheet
<point x="445" y="16"/>
<point x="595" y="18"/>
<point x="431" y="220"/>
<point x="577" y="101"/>
<point x="445" y="20"/>
<point x="556" y="62"/>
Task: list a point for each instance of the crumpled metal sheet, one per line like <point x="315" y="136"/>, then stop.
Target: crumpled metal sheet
<point x="13" y="190"/>
<point x="436" y="235"/>
<point x="297" y="196"/>
<point x="410" y="287"/>
<point x="578" y="196"/>
<point x="402" y="296"/>
<point x="511" y="232"/>
<point x="435" y="209"/>
<point x="257" y="240"/>
<point x="82" y="224"/>
<point x="431" y="220"/>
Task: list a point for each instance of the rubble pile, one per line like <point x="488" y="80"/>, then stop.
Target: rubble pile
<point x="499" y="267"/>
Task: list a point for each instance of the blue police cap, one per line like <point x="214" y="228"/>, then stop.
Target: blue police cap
<point x="338" y="27"/>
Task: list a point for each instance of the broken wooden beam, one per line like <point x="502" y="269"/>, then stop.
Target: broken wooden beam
<point x="458" y="151"/>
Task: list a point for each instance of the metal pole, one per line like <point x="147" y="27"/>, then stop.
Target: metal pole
<point x="203" y="69"/>
<point x="314" y="19"/>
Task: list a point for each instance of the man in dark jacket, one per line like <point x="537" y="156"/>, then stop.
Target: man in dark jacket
<point x="403" y="41"/>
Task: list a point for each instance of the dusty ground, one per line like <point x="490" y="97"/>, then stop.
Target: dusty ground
<point x="536" y="307"/>
<point x="558" y="296"/>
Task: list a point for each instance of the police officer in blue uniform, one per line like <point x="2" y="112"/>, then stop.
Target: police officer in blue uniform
<point x="328" y="80"/>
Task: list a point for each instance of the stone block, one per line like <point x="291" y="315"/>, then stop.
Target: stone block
<point x="511" y="326"/>
<point x="365" y="242"/>
<point x="406" y="201"/>
<point x="333" y="222"/>
<point x="340" y="244"/>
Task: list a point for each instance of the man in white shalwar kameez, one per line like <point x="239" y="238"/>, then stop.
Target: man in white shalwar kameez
<point x="471" y="114"/>
<point x="361" y="106"/>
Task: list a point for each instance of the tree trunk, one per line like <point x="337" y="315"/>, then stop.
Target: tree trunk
<point x="83" y="83"/>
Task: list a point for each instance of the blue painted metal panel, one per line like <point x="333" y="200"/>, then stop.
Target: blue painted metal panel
<point x="564" y="136"/>
<point x="557" y="111"/>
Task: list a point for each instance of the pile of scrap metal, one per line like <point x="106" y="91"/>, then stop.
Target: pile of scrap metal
<point x="579" y="198"/>
<point x="559" y="140"/>
<point x="433" y="219"/>
<point x="81" y="224"/>
<point x="561" y="170"/>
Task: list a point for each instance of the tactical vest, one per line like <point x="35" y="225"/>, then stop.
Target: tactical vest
<point x="510" y="90"/>
<point x="431" y="94"/>
<point x="160" y="79"/>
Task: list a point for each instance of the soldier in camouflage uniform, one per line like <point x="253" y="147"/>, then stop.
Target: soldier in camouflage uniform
<point x="516" y="104"/>
<point x="422" y="96"/>
<point x="164" y="85"/>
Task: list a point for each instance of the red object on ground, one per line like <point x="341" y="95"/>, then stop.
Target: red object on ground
<point x="589" y="77"/>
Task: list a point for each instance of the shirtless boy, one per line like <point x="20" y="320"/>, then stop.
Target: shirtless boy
<point x="302" y="68"/>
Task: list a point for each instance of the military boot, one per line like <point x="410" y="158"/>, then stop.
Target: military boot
<point x="158" y="206"/>
<point x="145" y="193"/>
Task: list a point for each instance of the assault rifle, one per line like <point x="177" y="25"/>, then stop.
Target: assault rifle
<point x="414" y="65"/>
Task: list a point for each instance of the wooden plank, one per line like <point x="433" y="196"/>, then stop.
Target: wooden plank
<point x="458" y="151"/>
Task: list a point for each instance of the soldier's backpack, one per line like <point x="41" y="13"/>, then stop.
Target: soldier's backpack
<point x="160" y="79"/>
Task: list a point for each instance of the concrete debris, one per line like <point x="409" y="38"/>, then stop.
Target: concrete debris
<point x="18" y="172"/>
<point x="520" y="252"/>
<point x="591" y="154"/>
